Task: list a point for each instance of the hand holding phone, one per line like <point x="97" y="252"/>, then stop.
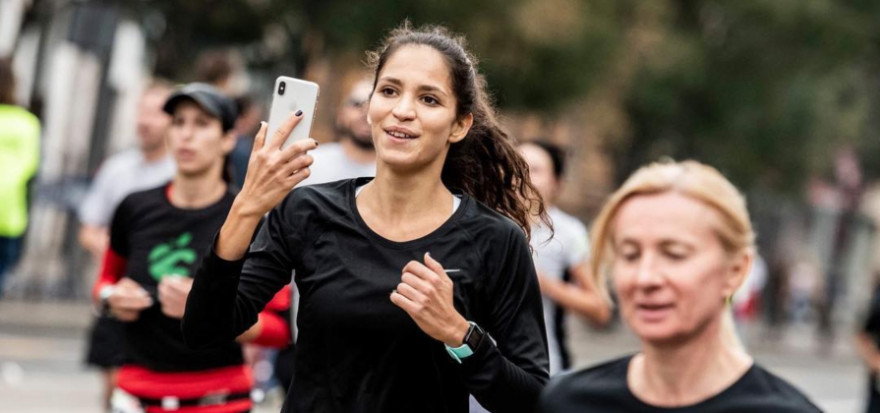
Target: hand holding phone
<point x="291" y="95"/>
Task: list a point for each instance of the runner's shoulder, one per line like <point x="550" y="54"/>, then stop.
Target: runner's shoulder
<point x="772" y="393"/>
<point x="144" y="200"/>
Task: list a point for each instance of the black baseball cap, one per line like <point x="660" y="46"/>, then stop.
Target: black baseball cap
<point x="209" y="98"/>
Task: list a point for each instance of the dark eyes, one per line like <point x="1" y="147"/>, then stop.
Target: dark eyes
<point x="428" y="100"/>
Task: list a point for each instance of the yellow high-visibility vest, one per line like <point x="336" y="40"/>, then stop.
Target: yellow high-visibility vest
<point x="19" y="157"/>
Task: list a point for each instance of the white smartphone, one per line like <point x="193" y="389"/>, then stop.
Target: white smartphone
<point x="291" y="95"/>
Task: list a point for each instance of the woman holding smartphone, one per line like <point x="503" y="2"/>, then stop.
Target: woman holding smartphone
<point x="156" y="239"/>
<point x="677" y="239"/>
<point x="417" y="286"/>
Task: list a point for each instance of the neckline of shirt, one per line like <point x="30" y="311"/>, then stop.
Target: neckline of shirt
<point x="166" y="198"/>
<point x="456" y="198"/>
<point x="351" y="193"/>
<point x="701" y="403"/>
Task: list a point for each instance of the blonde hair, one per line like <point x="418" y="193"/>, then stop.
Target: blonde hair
<point x="694" y="180"/>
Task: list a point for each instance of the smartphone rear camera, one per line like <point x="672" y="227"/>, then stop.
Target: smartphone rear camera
<point x="281" y="87"/>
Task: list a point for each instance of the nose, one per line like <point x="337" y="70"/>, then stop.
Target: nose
<point x="649" y="272"/>
<point x="404" y="108"/>
<point x="185" y="131"/>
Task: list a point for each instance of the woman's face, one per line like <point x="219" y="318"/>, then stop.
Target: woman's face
<point x="413" y="109"/>
<point x="670" y="270"/>
<point x="197" y="141"/>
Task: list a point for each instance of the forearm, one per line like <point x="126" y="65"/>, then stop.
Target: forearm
<point x="212" y="314"/>
<point x="499" y="384"/>
<point x="112" y="270"/>
<point x="585" y="303"/>
<point x="867" y="351"/>
<point x="227" y="296"/>
<point x="94" y="239"/>
<point x="236" y="233"/>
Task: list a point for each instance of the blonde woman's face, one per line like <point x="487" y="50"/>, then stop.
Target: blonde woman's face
<point x="670" y="270"/>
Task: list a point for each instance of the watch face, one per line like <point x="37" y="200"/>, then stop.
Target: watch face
<point x="474" y="336"/>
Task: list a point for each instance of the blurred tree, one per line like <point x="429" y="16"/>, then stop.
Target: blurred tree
<point x="763" y="89"/>
<point x="538" y="54"/>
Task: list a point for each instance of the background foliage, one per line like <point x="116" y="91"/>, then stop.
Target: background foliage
<point x="763" y="89"/>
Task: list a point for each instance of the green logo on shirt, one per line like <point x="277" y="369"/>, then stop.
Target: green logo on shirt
<point x="168" y="258"/>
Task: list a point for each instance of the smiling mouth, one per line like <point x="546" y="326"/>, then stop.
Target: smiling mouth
<point x="400" y="135"/>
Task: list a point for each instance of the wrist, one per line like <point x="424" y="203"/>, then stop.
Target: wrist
<point x="104" y="295"/>
<point x="241" y="210"/>
<point x="236" y="234"/>
<point x="456" y="335"/>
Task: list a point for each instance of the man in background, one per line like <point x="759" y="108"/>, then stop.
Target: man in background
<point x="352" y="155"/>
<point x="147" y="166"/>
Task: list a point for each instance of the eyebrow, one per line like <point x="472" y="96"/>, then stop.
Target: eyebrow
<point x="665" y="242"/>
<point x="424" y="88"/>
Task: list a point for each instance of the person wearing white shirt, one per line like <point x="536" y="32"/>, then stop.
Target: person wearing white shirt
<point x="561" y="256"/>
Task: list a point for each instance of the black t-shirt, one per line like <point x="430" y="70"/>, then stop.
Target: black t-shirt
<point x="603" y="388"/>
<point x="356" y="350"/>
<point x="156" y="238"/>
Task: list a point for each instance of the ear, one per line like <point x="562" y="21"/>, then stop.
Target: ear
<point x="461" y="127"/>
<point x="739" y="269"/>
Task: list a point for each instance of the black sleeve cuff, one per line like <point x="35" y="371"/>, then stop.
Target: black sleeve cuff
<point x="216" y="267"/>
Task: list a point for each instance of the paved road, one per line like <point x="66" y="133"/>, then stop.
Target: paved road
<point x="41" y="348"/>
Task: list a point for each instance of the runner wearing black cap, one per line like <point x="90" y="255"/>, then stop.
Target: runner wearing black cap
<point x="156" y="239"/>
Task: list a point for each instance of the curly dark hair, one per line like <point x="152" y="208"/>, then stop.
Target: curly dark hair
<point x="485" y="164"/>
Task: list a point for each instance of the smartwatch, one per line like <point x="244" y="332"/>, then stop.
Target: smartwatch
<point x="104" y="295"/>
<point x="471" y="341"/>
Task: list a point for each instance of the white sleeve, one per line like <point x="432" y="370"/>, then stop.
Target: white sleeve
<point x="578" y="248"/>
<point x="95" y="207"/>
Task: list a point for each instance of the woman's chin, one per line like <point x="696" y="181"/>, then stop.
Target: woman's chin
<point x="655" y="333"/>
<point x="398" y="159"/>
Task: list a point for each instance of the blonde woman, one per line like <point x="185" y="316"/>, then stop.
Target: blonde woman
<point x="677" y="240"/>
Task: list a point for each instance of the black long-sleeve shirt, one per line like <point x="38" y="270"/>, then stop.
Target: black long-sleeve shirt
<point x="357" y="351"/>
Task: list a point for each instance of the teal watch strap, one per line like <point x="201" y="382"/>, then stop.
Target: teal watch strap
<point x="464" y="350"/>
<point x="459" y="353"/>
